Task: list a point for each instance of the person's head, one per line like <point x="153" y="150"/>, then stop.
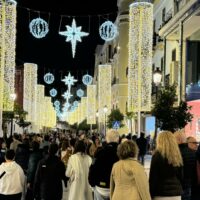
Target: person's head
<point x="53" y="148"/>
<point x="35" y="145"/>
<point x="180" y="137"/>
<point x="9" y="155"/>
<point x="16" y="136"/>
<point x="142" y="134"/>
<point x="192" y="143"/>
<point x="167" y="146"/>
<point x="127" y="149"/>
<point x="65" y="145"/>
<point x="112" y="136"/>
<point x="80" y="147"/>
<point x="46" y="138"/>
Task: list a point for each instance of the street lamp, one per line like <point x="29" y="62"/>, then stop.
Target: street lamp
<point x="157" y="77"/>
<point x="105" y="110"/>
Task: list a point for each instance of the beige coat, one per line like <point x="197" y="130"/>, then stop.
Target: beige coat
<point x="129" y="181"/>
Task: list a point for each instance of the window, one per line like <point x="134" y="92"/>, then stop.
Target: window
<point x="163" y="14"/>
<point x="174" y="55"/>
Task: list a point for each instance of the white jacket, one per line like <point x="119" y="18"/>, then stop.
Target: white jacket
<point x="12" y="182"/>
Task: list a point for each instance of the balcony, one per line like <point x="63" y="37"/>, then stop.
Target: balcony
<point x="181" y="9"/>
<point x="157" y="41"/>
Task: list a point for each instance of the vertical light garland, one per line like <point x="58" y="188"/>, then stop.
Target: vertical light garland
<point x="27" y="104"/>
<point x="83" y="108"/>
<point x="9" y="62"/>
<point x="91" y="104"/>
<point x="104" y="90"/>
<point x="2" y="59"/>
<point x="140" y="56"/>
<point x="39" y="106"/>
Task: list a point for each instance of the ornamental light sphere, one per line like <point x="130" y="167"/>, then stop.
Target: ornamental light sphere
<point x="87" y="79"/>
<point x="49" y="78"/>
<point x="75" y="103"/>
<point x="108" y="31"/>
<point x="57" y="103"/>
<point x="80" y="93"/>
<point x="53" y="92"/>
<point x="39" y="28"/>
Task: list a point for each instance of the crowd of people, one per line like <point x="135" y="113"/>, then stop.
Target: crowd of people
<point x="39" y="166"/>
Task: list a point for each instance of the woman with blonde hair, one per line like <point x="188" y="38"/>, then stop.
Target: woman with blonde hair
<point x="128" y="178"/>
<point x="166" y="169"/>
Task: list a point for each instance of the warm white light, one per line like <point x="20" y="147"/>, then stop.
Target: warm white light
<point x="91" y="104"/>
<point x="157" y="77"/>
<point x="8" y="26"/>
<point x="105" y="109"/>
<point x="104" y="90"/>
<point x="140" y="56"/>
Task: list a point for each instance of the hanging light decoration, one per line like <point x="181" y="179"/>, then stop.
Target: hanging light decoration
<point x="108" y="31"/>
<point x="73" y="35"/>
<point x="91" y="104"/>
<point x="56" y="103"/>
<point x="104" y="90"/>
<point x="53" y="92"/>
<point x="39" y="28"/>
<point x="87" y="79"/>
<point x="67" y="95"/>
<point x="140" y="56"/>
<point x="49" y="78"/>
<point x="80" y="93"/>
<point x="69" y="81"/>
<point x="75" y="104"/>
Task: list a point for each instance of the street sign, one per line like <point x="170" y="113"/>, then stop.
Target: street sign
<point x="116" y="125"/>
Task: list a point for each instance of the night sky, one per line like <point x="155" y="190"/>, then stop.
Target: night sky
<point x="52" y="53"/>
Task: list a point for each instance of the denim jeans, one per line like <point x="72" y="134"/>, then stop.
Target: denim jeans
<point x="186" y="195"/>
<point x="98" y="196"/>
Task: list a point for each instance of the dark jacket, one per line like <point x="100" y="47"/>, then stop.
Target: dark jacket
<point x="164" y="179"/>
<point x="100" y="170"/>
<point x="34" y="159"/>
<point x="142" y="145"/>
<point x="48" y="179"/>
<point x="22" y="156"/>
<point x="189" y="166"/>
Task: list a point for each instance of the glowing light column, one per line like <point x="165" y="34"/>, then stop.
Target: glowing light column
<point x="104" y="91"/>
<point x="10" y="44"/>
<point x="140" y="56"/>
<point x="83" y="108"/>
<point x="2" y="59"/>
<point x="91" y="104"/>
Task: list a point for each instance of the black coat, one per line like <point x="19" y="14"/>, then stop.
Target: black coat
<point x="189" y="166"/>
<point x="142" y="145"/>
<point x="100" y="170"/>
<point x="34" y="159"/>
<point x="164" y="179"/>
<point x="22" y="156"/>
<point x="48" y="179"/>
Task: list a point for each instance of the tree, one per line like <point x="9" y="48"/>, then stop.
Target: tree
<point x="86" y="127"/>
<point x="115" y="115"/>
<point x="167" y="115"/>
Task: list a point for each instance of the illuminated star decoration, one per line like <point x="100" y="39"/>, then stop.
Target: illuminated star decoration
<point x="69" y="81"/>
<point x="73" y="35"/>
<point x="67" y="95"/>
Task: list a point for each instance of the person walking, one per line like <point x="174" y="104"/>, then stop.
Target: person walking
<point x="49" y="175"/>
<point x="142" y="145"/>
<point x="12" y="178"/>
<point x="77" y="171"/>
<point x="166" y="169"/>
<point x="128" y="178"/>
<point x="100" y="170"/>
